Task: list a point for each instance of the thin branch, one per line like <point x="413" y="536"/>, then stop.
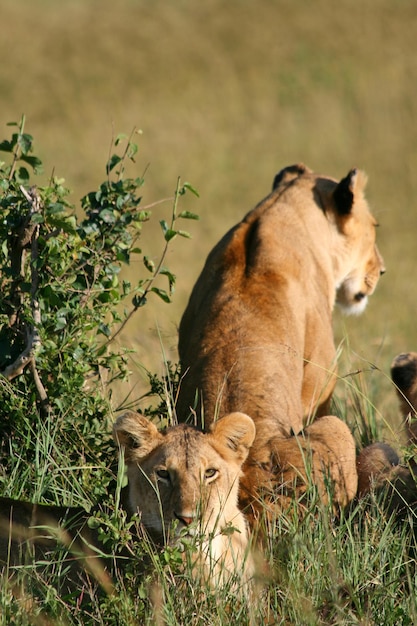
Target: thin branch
<point x="155" y="274"/>
<point x="152" y="204"/>
<point x="17" y="150"/>
<point x="43" y="396"/>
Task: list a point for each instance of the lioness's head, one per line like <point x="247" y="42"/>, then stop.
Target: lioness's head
<point x="184" y="475"/>
<point x="357" y="261"/>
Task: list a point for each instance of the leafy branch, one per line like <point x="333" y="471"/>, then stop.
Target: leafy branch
<point x="148" y="286"/>
<point x="61" y="285"/>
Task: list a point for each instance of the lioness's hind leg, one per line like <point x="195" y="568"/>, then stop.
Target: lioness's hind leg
<point x="324" y="451"/>
<point x="404" y="376"/>
<point x="335" y="453"/>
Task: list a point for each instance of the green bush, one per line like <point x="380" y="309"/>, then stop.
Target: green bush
<point x="63" y="300"/>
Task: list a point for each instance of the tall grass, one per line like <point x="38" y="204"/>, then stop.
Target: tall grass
<point x="316" y="569"/>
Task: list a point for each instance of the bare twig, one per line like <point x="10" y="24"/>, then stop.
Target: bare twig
<point x="17" y="367"/>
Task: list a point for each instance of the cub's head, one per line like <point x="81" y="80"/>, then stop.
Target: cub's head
<point x="357" y="262"/>
<point x="183" y="475"/>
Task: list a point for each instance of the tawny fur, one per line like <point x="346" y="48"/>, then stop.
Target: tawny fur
<point x="257" y="334"/>
<point x="191" y="478"/>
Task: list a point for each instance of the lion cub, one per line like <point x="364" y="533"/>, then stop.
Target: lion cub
<point x="185" y="476"/>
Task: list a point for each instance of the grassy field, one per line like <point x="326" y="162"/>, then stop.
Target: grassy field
<point x="225" y="95"/>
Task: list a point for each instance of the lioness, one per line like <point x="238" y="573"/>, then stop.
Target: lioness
<point x="257" y="335"/>
<point x="189" y="477"/>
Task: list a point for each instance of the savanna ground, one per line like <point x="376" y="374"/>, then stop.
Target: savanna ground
<point x="225" y="95"/>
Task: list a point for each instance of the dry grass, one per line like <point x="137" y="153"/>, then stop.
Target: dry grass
<point x="227" y="94"/>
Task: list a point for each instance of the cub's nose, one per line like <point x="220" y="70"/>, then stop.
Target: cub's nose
<point x="185" y="518"/>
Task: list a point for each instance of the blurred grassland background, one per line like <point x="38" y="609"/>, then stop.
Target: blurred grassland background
<point x="226" y="94"/>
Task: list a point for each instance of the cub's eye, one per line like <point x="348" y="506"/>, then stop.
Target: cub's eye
<point x="162" y="473"/>
<point x="210" y="473"/>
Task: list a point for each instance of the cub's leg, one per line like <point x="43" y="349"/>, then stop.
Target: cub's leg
<point x="380" y="470"/>
<point x="376" y="464"/>
<point x="404" y="376"/>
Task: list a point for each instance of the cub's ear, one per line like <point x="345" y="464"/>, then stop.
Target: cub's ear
<point x="136" y="434"/>
<point x="344" y="193"/>
<point x="236" y="431"/>
<point x="290" y="173"/>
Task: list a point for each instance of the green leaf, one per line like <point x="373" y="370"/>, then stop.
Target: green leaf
<point x="170" y="234"/>
<point x="37" y="218"/>
<point x="143" y="216"/>
<point x="61" y="322"/>
<point x="54" y="208"/>
<point x="104" y="329"/>
<point x="34" y="162"/>
<point x="123" y="256"/>
<point x="183" y="233"/>
<point x="25" y="142"/>
<point x="171" y="277"/>
<point x="162" y="294"/>
<point x="187" y="215"/>
<point x="113" y="161"/>
<point x="6" y="146"/>
<point x="138" y="301"/>
<point x="122" y="201"/>
<point x="93" y="523"/>
<point x="189" y="187"/>
<point x="108" y="217"/>
<point x="133" y="148"/>
<point x="22" y="176"/>
<point x="149" y="264"/>
<point x="120" y="137"/>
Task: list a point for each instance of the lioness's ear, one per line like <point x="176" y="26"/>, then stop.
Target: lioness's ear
<point x="345" y="191"/>
<point x="136" y="434"/>
<point x="290" y="173"/>
<point x="237" y="432"/>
